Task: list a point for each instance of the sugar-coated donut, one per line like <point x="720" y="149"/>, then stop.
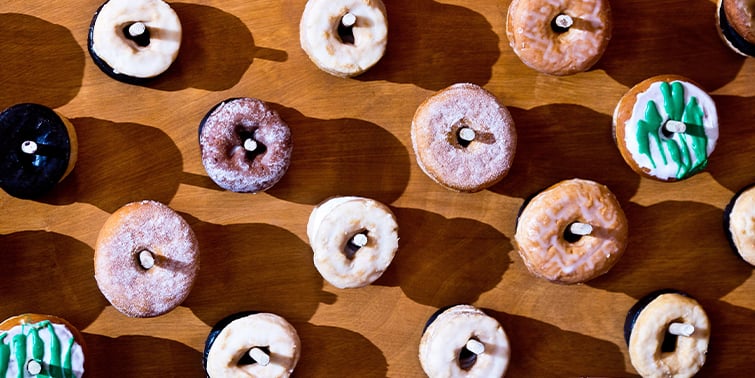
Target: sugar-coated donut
<point x="38" y="149"/>
<point x="146" y="259"/>
<point x="134" y="40"/>
<point x="666" y="127"/>
<point x="667" y="333"/>
<point x="464" y="138"/>
<point x="245" y="145"/>
<point x="571" y="232"/>
<point x="354" y="240"/>
<point x="736" y="25"/>
<point x="463" y="341"/>
<point x="559" y="37"/>
<point x="739" y="223"/>
<point x="250" y="344"/>
<point x="344" y="37"/>
<point x="34" y="345"/>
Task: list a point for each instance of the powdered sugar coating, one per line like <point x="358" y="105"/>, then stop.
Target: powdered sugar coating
<point x="221" y="143"/>
<point x="482" y="163"/>
<point x="131" y="289"/>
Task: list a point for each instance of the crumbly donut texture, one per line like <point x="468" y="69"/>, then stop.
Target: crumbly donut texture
<point x="318" y="34"/>
<point x="131" y="289"/>
<point x="331" y="226"/>
<point x="735" y="25"/>
<point x="124" y="56"/>
<point x="650" y="329"/>
<point x="262" y="330"/>
<point x="444" y="339"/>
<point x="640" y="116"/>
<point x="539" y="236"/>
<point x="539" y="46"/>
<point x="436" y="123"/>
<point x="741" y="224"/>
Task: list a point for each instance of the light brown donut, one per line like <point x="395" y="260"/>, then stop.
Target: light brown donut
<point x="736" y="25"/>
<point x="739" y="223"/>
<point x="131" y="288"/>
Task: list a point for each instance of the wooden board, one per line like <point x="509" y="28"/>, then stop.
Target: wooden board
<point x="352" y="138"/>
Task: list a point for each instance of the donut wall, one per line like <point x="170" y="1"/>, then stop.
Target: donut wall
<point x="351" y="137"/>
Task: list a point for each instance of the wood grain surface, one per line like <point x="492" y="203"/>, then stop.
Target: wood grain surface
<point x="351" y="137"/>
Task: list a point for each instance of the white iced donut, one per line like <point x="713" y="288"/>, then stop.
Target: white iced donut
<point x="139" y="51"/>
<point x="463" y="341"/>
<point x="354" y="240"/>
<point x="344" y="37"/>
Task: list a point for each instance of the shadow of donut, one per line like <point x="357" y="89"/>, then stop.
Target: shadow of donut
<point x="467" y="261"/>
<point x="255" y="267"/>
<point x="334" y="352"/>
<point x="41" y="62"/>
<point x="49" y="273"/>
<point x="559" y="142"/>
<point x="668" y="39"/>
<point x="341" y="157"/>
<point x="419" y="51"/>
<point x="731" y="164"/>
<point x="141" y="356"/>
<point x="729" y="337"/>
<point x="216" y="50"/>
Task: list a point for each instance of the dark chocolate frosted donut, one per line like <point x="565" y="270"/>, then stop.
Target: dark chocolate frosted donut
<point x="38" y="149"/>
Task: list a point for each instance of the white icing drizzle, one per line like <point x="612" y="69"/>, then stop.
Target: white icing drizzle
<point x="63" y="334"/>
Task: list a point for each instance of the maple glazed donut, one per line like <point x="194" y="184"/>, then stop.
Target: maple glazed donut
<point x="667" y="333"/>
<point x="146" y="259"/>
<point x="134" y="40"/>
<point x="736" y="25"/>
<point x="559" y="37"/>
<point x="464" y="138"/>
<point x="739" y="223"/>
<point x="344" y="37"/>
<point x="354" y="240"/>
<point x="251" y="344"/>
<point x="571" y="232"/>
<point x="245" y="145"/>
<point x="666" y="127"/>
<point x="463" y="341"/>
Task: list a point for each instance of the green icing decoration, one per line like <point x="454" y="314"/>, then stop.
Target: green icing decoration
<point x="4" y="355"/>
<point x="19" y="344"/>
<point x="19" y="350"/>
<point x="67" y="363"/>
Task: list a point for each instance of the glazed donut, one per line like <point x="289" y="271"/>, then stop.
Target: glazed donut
<point x="739" y="223"/>
<point x="667" y="333"/>
<point x="464" y="138"/>
<point x="38" y="149"/>
<point x="462" y="341"/>
<point x="665" y="128"/>
<point x="251" y="344"/>
<point x="134" y="40"/>
<point x="344" y="37"/>
<point x="736" y="25"/>
<point x="40" y="345"/>
<point x="146" y="259"/>
<point x="354" y="240"/>
<point x="559" y="37"/>
<point x="571" y="232"/>
<point x="245" y="145"/>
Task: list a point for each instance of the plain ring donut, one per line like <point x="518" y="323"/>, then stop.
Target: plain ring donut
<point x="354" y="240"/>
<point x="344" y="37"/>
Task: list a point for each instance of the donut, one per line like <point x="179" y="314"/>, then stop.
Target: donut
<point x="38" y="149"/>
<point x="354" y="240"/>
<point x="667" y="333"/>
<point x="134" y="41"/>
<point x="571" y="232"/>
<point x="344" y="37"/>
<point x="559" y="37"/>
<point x="665" y="128"/>
<point x="245" y="145"/>
<point x="463" y="341"/>
<point x="736" y="25"/>
<point x="739" y="223"/>
<point x="251" y="344"/>
<point x="146" y="259"/>
<point x="463" y="138"/>
<point x="34" y="345"/>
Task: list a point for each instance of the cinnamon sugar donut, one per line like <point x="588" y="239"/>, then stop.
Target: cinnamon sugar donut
<point x="245" y="145"/>
<point x="736" y="25"/>
<point x="464" y="138"/>
<point x="571" y="232"/>
<point x="146" y="259"/>
<point x="559" y="37"/>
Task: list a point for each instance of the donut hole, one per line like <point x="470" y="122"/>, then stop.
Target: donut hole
<point x="246" y="358"/>
<point x="570" y="236"/>
<point x="248" y="140"/>
<point x="467" y="358"/>
<point x="145" y="259"/>
<point x="141" y="40"/>
<point x="561" y="23"/>
<point x="670" y="341"/>
<point x="355" y="243"/>
<point x="345" y="33"/>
